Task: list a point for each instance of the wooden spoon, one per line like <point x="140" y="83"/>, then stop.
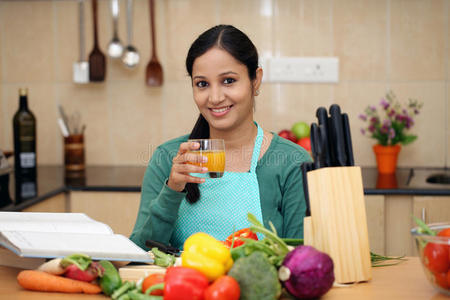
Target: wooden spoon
<point x="153" y="72"/>
<point x="97" y="60"/>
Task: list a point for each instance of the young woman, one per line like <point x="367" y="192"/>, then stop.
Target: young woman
<point x="262" y="171"/>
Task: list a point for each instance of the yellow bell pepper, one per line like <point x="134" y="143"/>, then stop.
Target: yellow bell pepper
<point x="207" y="255"/>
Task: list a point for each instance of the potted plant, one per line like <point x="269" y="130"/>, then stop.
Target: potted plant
<point x="389" y="127"/>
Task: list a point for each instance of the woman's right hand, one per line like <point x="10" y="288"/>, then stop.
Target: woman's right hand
<point x="182" y="165"/>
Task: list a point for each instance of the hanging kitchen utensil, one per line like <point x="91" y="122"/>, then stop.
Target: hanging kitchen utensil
<point x="130" y="57"/>
<point x="154" y="72"/>
<point x="115" y="47"/>
<point x="97" y="60"/>
<point x="81" y="67"/>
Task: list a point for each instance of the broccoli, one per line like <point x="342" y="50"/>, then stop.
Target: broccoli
<point x="257" y="277"/>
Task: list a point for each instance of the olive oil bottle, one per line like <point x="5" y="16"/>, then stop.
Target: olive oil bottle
<point x="24" y="124"/>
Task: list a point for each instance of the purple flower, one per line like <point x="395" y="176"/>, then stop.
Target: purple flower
<point x="371" y="128"/>
<point x="374" y="120"/>
<point x="372" y="108"/>
<point x="416" y="111"/>
<point x="363" y="131"/>
<point x="391" y="133"/>
<point x="384" y="104"/>
<point x="362" y="117"/>
<point x="391" y="113"/>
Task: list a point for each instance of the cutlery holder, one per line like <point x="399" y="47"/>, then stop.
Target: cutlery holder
<point x="338" y="224"/>
<point x="74" y="152"/>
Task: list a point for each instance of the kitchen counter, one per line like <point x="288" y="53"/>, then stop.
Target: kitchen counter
<point x="52" y="180"/>
<point x="403" y="281"/>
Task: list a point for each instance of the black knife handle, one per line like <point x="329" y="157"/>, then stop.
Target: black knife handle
<point x="322" y="116"/>
<point x="338" y="135"/>
<point x="162" y="247"/>
<point x="315" y="146"/>
<point x="348" y="140"/>
<point x="305" y="167"/>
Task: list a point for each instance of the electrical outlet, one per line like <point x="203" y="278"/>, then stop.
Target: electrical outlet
<point x="303" y="69"/>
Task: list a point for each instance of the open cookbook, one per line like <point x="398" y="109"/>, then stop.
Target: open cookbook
<point x="50" y="235"/>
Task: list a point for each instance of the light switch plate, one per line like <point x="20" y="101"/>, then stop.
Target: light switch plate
<point x="303" y="69"/>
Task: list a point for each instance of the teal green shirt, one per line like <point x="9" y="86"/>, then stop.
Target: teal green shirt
<point x="280" y="189"/>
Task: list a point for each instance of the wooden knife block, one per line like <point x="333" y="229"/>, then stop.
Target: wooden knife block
<point x="338" y="224"/>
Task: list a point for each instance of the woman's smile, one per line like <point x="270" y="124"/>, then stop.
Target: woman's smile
<point x="220" y="111"/>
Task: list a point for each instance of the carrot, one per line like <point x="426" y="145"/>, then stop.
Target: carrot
<point x="45" y="282"/>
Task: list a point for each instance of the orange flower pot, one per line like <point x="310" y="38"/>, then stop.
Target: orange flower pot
<point x="386" y="158"/>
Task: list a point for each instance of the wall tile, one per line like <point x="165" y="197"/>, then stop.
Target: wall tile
<point x="359" y="29"/>
<point x="135" y="118"/>
<point x="416" y="40"/>
<point x="183" y="22"/>
<point x="292" y="103"/>
<point x="179" y="110"/>
<point x="91" y="101"/>
<point x="27" y="41"/>
<point x="303" y="28"/>
<point x="428" y="149"/>
<point x="254" y="18"/>
<point x="353" y="98"/>
<point x="41" y="103"/>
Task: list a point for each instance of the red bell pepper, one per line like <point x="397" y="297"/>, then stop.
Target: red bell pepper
<point x="243" y="233"/>
<point x="182" y="283"/>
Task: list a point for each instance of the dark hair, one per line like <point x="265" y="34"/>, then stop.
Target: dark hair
<point x="238" y="45"/>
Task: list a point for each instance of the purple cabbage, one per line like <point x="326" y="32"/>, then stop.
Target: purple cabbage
<point x="307" y="273"/>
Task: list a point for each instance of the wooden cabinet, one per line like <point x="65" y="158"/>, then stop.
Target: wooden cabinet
<point x="432" y="209"/>
<point x="375" y="214"/>
<point x="117" y="209"/>
<point x="58" y="203"/>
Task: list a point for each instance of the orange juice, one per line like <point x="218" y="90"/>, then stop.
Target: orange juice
<point x="215" y="163"/>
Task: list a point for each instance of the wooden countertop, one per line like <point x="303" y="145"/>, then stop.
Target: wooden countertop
<point x="403" y="281"/>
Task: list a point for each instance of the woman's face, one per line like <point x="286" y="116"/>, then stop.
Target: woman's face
<point x="223" y="90"/>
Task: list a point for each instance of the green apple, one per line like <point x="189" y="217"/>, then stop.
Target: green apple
<point x="300" y="130"/>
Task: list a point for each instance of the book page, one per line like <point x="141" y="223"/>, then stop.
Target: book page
<point x="51" y="222"/>
<point x="56" y="244"/>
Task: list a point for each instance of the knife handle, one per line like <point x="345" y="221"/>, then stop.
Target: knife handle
<point x="338" y="135"/>
<point x="348" y="140"/>
<point x="322" y="116"/>
<point x="315" y="146"/>
<point x="305" y="167"/>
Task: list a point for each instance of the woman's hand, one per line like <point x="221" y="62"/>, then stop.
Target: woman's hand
<point x="183" y="164"/>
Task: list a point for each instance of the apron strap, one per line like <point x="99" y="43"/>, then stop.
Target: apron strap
<point x="257" y="148"/>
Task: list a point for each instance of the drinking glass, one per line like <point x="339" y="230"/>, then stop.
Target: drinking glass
<point x="214" y="150"/>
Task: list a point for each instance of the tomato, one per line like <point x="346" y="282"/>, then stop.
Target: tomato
<point x="223" y="288"/>
<point x="287" y="134"/>
<point x="448" y="278"/>
<point x="305" y="143"/>
<point x="436" y="257"/>
<point x="243" y="233"/>
<point x="441" y="280"/>
<point x="444" y="232"/>
<point x="151" y="280"/>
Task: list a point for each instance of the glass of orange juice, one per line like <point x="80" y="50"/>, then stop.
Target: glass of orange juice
<point x="214" y="150"/>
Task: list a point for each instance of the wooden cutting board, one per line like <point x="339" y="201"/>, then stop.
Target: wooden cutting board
<point x="135" y="273"/>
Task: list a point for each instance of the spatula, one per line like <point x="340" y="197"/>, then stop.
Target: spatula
<point x="97" y="60"/>
<point x="81" y="67"/>
<point x="153" y="72"/>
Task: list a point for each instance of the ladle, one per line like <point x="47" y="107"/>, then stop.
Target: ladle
<point x="131" y="56"/>
<point x="115" y="47"/>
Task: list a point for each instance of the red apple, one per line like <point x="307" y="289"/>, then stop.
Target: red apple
<point x="287" y="134"/>
<point x="305" y="143"/>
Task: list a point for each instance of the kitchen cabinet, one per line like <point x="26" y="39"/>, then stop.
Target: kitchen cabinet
<point x="375" y="215"/>
<point x="117" y="209"/>
<point x="58" y="203"/>
<point x="432" y="209"/>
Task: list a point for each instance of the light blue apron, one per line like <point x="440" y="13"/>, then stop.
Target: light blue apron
<point x="223" y="204"/>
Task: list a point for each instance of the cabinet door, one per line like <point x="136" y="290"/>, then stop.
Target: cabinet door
<point x="432" y="209"/>
<point x="117" y="209"/>
<point x="375" y="223"/>
<point x="56" y="203"/>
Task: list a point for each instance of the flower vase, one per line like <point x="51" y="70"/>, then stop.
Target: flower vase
<point x="386" y="158"/>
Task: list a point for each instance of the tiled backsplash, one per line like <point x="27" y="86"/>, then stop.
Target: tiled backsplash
<point x="401" y="45"/>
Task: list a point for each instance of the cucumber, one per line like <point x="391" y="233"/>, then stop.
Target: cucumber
<point x="110" y="280"/>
